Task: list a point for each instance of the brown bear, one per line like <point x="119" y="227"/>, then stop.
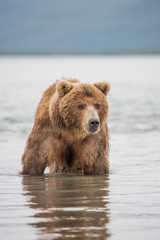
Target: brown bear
<point x="70" y="132"/>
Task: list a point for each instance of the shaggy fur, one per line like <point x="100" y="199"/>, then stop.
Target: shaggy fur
<point x="61" y="137"/>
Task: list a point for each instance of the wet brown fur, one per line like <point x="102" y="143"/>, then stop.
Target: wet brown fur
<point x="58" y="139"/>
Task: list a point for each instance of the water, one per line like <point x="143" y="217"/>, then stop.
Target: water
<point x="123" y="205"/>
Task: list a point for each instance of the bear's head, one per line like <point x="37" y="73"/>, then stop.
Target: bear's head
<point x="83" y="106"/>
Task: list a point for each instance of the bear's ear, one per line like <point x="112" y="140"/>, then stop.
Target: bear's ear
<point x="104" y="87"/>
<point x="64" y="87"/>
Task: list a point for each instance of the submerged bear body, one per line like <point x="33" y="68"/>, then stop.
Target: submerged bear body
<point x="70" y="132"/>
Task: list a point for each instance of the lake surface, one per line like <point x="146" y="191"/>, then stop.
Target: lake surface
<point x="123" y="205"/>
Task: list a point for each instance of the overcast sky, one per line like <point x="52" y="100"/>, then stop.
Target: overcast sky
<point x="69" y="26"/>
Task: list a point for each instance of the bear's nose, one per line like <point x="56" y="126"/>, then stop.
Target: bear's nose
<point x="93" y="124"/>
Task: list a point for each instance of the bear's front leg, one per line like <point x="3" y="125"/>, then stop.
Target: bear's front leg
<point x="91" y="163"/>
<point x="59" y="156"/>
<point x="35" y="157"/>
<point x="33" y="162"/>
<point x="92" y="157"/>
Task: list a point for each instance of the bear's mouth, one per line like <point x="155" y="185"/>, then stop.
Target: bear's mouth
<point x="92" y="131"/>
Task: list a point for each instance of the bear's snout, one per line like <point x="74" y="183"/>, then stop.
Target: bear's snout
<point x="93" y="124"/>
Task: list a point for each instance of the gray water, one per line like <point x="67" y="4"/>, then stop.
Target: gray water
<point x="123" y="205"/>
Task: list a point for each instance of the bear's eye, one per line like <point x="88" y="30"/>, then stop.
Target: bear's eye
<point x="81" y="106"/>
<point x="97" y="106"/>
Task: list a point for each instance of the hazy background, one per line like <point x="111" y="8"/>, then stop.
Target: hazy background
<point x="86" y="26"/>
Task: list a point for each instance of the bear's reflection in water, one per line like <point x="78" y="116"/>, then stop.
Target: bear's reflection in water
<point x="69" y="206"/>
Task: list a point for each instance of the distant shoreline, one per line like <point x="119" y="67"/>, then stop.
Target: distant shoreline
<point x="79" y="53"/>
